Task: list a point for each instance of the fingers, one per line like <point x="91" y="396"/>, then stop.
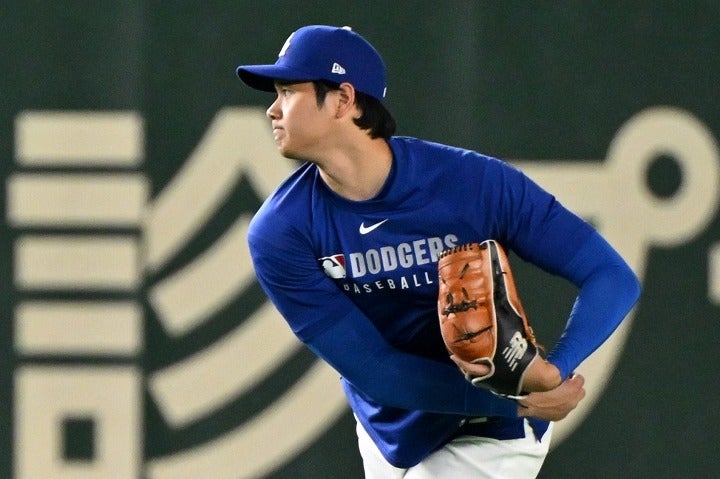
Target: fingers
<point x="555" y="404"/>
<point x="573" y="388"/>
<point x="581" y="383"/>
<point x="577" y="381"/>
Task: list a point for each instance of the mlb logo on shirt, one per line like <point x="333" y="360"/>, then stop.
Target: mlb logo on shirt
<point x="334" y="266"/>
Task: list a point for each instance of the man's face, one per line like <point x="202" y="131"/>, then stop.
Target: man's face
<point x="300" y="126"/>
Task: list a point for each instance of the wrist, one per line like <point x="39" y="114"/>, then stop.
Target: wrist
<point x="541" y="376"/>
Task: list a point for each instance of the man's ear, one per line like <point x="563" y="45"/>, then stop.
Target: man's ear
<point x="345" y="103"/>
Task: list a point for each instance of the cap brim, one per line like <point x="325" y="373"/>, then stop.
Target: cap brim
<point x="263" y="77"/>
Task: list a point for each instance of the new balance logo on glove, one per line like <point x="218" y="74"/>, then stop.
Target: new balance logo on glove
<point x="515" y="350"/>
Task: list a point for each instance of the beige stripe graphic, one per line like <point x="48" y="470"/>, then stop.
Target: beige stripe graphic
<point x="70" y="262"/>
<point x="79" y="139"/>
<point x="74" y="200"/>
<point x="84" y="328"/>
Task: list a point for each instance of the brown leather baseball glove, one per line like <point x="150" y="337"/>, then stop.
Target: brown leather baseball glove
<point x="481" y="317"/>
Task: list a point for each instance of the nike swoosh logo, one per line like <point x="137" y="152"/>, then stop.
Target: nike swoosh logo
<point x="367" y="229"/>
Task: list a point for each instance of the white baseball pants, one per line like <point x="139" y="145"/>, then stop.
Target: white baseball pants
<point x="465" y="457"/>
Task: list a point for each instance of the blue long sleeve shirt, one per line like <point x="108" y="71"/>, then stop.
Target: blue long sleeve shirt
<point x="357" y="282"/>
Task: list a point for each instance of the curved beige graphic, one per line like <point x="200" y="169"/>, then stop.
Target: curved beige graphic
<point x="192" y="295"/>
<point x="191" y="389"/>
<point x="231" y="147"/>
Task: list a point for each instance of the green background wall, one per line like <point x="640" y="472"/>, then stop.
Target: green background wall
<point x="543" y="81"/>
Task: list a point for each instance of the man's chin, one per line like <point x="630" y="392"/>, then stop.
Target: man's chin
<point x="291" y="154"/>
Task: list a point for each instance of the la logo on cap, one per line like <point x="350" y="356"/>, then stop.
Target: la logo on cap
<point x="286" y="45"/>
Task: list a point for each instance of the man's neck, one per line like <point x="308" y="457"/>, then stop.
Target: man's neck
<point x="358" y="173"/>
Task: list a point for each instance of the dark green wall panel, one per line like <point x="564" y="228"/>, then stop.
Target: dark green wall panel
<point x="539" y="81"/>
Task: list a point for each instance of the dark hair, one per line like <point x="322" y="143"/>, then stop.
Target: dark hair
<point x="375" y="117"/>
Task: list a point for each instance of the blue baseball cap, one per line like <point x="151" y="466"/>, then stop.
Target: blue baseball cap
<point x="321" y="52"/>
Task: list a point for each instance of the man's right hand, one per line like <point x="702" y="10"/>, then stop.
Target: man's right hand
<point x="555" y="404"/>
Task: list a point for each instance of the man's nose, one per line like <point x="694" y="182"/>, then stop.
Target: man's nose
<point x="273" y="112"/>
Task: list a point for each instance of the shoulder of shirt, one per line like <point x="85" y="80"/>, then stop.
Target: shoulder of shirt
<point x="286" y="201"/>
<point x="302" y="178"/>
<point x="420" y="148"/>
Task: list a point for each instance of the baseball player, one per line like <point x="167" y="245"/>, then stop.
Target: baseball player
<point x="347" y="249"/>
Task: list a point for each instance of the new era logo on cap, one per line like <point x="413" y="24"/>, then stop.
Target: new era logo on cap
<point x="320" y="52"/>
